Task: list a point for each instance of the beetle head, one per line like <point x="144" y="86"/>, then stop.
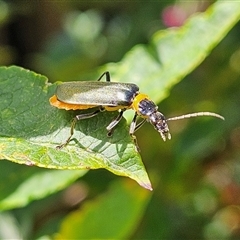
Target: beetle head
<point x="148" y="110"/>
<point x="159" y="122"/>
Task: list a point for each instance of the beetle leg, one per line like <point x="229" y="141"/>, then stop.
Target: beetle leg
<point x="108" y="79"/>
<point x="110" y="127"/>
<point x="139" y="125"/>
<point x="87" y="115"/>
<point x="74" y="121"/>
<point x="132" y="129"/>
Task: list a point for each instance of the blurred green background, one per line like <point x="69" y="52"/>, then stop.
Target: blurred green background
<point x="196" y="175"/>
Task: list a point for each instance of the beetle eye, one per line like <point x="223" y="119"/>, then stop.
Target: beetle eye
<point x="163" y="129"/>
<point x="159" y="122"/>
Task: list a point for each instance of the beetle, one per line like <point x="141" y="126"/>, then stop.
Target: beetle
<point x="114" y="96"/>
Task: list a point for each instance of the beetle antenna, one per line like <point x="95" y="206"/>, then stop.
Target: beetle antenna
<point x="197" y="114"/>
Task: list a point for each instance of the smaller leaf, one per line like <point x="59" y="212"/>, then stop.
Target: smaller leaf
<point x="26" y="185"/>
<point x="113" y="216"/>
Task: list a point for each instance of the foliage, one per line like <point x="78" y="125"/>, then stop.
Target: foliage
<point x="184" y="171"/>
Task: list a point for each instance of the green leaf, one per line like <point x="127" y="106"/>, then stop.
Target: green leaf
<point x="112" y="216"/>
<point x="30" y="131"/>
<point x="20" y="185"/>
